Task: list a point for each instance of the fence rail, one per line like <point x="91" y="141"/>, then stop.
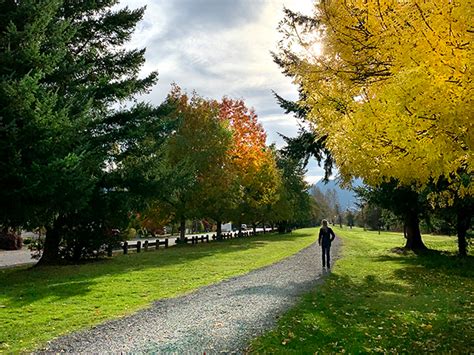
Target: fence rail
<point x="195" y="239"/>
<point x="146" y="245"/>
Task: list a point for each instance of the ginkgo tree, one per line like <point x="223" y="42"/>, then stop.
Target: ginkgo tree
<point x="389" y="83"/>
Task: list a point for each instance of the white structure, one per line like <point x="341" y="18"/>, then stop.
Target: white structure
<point x="227" y="227"/>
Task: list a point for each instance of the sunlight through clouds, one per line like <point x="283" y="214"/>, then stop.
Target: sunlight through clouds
<point x="220" y="48"/>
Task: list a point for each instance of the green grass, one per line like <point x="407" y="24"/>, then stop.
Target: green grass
<point x="379" y="301"/>
<point x="40" y="304"/>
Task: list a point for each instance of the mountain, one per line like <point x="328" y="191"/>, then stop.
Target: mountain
<point x="347" y="198"/>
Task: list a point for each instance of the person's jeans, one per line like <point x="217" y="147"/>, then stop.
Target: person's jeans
<point x="326" y="256"/>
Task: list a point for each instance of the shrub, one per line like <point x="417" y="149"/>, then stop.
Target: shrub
<point x="131" y="233"/>
<point x="89" y="240"/>
<point x="36" y="247"/>
<point x="10" y="241"/>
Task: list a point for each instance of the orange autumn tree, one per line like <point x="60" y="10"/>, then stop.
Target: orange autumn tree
<point x="200" y="147"/>
<point x="255" y="168"/>
<point x="216" y="195"/>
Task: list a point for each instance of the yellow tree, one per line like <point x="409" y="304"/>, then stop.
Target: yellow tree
<point x="392" y="89"/>
<point x="389" y="83"/>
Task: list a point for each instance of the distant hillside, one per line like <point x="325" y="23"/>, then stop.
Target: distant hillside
<point x="347" y="198"/>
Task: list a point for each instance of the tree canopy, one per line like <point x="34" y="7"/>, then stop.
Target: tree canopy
<point x="62" y="143"/>
<point x="390" y="88"/>
<point x="81" y="156"/>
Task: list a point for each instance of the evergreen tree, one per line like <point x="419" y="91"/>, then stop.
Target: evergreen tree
<point x="293" y="206"/>
<point x="62" y="70"/>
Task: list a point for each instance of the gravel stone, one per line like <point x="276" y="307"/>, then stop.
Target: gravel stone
<point x="220" y="318"/>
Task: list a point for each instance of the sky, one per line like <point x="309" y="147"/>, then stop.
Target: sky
<point x="221" y="48"/>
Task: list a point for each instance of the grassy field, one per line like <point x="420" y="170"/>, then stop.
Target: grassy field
<point x="379" y="301"/>
<point x="39" y="304"/>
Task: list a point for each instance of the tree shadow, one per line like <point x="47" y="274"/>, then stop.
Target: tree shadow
<point x="375" y="315"/>
<point x="23" y="286"/>
<point x="441" y="261"/>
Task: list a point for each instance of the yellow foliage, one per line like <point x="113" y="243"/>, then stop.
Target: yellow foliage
<point x="392" y="89"/>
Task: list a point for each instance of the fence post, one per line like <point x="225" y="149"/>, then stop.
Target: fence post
<point x="125" y="247"/>
<point x="145" y="245"/>
<point x="166" y="243"/>
<point x="207" y="238"/>
<point x="109" y="250"/>
<point x="139" y="246"/>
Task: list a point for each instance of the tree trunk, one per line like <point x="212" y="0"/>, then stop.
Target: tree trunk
<point x="51" y="246"/>
<point x="282" y="227"/>
<point x="219" y="230"/>
<point x="462" y="225"/>
<point x="182" y="229"/>
<point x="264" y="229"/>
<point x="254" y="228"/>
<point x="77" y="252"/>
<point x="413" y="235"/>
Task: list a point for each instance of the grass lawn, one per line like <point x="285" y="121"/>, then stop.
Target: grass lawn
<point x="379" y="301"/>
<point x="39" y="304"/>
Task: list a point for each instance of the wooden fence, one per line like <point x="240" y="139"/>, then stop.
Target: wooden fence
<point x="146" y="245"/>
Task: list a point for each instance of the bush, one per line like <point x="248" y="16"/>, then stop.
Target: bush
<point x="87" y="241"/>
<point x="36" y="247"/>
<point x="10" y="241"/>
<point x="131" y="233"/>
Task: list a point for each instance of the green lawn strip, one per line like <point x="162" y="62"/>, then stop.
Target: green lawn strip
<point x="40" y="304"/>
<point x="379" y="301"/>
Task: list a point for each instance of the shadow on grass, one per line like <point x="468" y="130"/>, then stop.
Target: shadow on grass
<point x="23" y="286"/>
<point x="374" y="316"/>
<point x="440" y="261"/>
<point x="423" y="306"/>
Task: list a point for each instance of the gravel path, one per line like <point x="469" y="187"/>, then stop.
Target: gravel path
<point x="10" y="258"/>
<point x="222" y="317"/>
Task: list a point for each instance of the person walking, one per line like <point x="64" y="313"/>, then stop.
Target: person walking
<point x="326" y="236"/>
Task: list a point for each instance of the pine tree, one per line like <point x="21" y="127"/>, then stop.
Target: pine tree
<point x="63" y="72"/>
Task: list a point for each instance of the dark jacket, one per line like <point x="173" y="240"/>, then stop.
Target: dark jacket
<point x="326" y="237"/>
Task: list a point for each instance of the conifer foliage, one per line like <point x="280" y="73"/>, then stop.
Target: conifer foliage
<point x="62" y="67"/>
<point x="81" y="157"/>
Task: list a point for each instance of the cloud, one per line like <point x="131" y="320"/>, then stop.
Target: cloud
<point x="219" y="48"/>
<point x="186" y="16"/>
